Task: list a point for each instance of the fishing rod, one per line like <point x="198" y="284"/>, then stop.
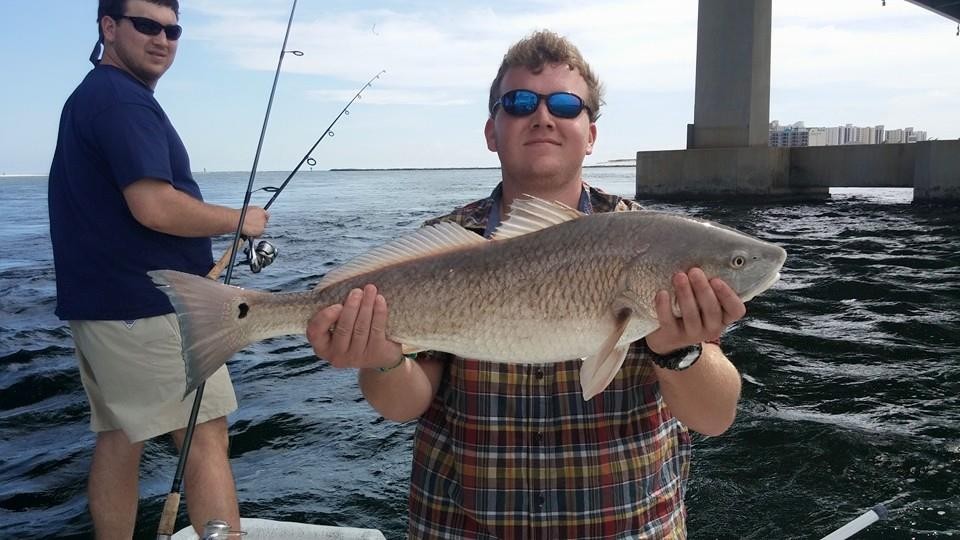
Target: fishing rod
<point x="259" y="256"/>
<point x="877" y="513"/>
<point x="264" y="253"/>
<point x="169" y="516"/>
<point x="306" y="157"/>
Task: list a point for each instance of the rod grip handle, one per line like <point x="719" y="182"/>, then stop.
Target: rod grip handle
<point x="217" y="269"/>
<point x="168" y="519"/>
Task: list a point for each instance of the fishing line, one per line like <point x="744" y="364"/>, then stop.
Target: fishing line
<point x="264" y="252"/>
<point x="329" y="131"/>
<point x="169" y="516"/>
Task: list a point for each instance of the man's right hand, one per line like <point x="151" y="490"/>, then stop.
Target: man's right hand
<point x="353" y="334"/>
<point x="254" y="222"/>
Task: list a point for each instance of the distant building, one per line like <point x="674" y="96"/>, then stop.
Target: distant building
<point x="792" y="135"/>
<point x="797" y="134"/>
<point x="817" y="136"/>
<point x="916" y="136"/>
<point x="905" y="135"/>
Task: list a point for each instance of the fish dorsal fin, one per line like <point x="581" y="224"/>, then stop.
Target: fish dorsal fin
<point x="430" y="240"/>
<point x="530" y="214"/>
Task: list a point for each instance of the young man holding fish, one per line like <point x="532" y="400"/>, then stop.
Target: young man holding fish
<point x="514" y="450"/>
<point x="122" y="202"/>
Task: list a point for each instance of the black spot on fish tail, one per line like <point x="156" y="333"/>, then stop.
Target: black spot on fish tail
<point x="244" y="309"/>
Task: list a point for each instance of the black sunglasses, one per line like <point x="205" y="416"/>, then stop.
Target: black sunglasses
<point x="522" y="102"/>
<point x="151" y="27"/>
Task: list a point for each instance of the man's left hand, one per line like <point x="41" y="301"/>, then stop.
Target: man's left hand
<point x="707" y="307"/>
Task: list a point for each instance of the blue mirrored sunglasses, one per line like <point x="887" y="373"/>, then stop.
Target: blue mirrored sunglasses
<point x="151" y="27"/>
<point x="522" y="102"/>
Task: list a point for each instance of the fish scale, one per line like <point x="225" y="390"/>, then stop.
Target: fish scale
<point x="549" y="287"/>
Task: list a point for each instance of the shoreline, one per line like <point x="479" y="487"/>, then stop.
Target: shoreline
<point x="349" y="169"/>
<point x="353" y="169"/>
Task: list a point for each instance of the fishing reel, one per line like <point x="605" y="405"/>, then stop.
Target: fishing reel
<point x="261" y="256"/>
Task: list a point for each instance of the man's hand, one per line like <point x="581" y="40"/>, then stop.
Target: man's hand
<point x="707" y="307"/>
<point x="353" y="334"/>
<point x="254" y="222"/>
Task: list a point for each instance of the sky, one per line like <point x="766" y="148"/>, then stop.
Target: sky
<point x="833" y="62"/>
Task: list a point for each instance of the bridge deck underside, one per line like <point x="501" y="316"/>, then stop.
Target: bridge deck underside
<point x="948" y="8"/>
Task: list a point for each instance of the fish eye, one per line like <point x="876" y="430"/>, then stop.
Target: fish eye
<point x="738" y="261"/>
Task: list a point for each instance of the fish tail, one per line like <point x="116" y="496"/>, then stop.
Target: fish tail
<point x="210" y="316"/>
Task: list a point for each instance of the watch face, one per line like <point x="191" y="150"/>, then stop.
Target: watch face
<point x="688" y="360"/>
<point x="693" y="354"/>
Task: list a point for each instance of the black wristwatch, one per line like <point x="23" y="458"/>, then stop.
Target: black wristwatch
<point x="679" y="359"/>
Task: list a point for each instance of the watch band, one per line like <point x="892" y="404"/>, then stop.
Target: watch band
<point x="403" y="358"/>
<point x="679" y="359"/>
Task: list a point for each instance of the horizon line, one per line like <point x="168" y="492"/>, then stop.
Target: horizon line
<point x="612" y="163"/>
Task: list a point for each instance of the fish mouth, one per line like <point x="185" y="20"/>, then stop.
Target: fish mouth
<point x="777" y="257"/>
<point x="762" y="286"/>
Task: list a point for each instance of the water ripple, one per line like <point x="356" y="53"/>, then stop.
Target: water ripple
<point x="851" y="368"/>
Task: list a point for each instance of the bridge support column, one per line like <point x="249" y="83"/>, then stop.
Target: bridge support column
<point x="936" y="172"/>
<point x="728" y="153"/>
<point x="732" y="98"/>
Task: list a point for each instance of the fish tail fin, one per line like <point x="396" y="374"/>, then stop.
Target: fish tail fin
<point x="210" y="315"/>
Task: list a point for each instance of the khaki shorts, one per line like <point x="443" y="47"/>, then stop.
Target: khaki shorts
<point x="134" y="377"/>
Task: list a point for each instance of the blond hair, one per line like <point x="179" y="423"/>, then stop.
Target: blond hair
<point x="542" y="48"/>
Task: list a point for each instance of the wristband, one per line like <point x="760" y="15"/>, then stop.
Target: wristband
<point x="398" y="364"/>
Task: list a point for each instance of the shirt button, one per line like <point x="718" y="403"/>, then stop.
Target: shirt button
<point x="541" y="502"/>
<point x="539" y="373"/>
<point x="539" y="436"/>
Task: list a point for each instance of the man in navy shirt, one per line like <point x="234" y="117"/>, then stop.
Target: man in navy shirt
<point x="122" y="202"/>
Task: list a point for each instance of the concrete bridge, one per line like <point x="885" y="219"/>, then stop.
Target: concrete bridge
<point x="728" y="153"/>
<point x="948" y="8"/>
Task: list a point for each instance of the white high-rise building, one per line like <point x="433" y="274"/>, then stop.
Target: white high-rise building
<point x="833" y="136"/>
<point x="797" y="134"/>
<point x="817" y="136"/>
<point x="913" y="136"/>
<point x="849" y="134"/>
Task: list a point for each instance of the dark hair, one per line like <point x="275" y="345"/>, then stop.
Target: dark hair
<point x="116" y="7"/>
<point x="545" y="47"/>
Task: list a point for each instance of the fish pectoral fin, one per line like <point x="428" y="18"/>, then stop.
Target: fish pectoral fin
<point x="603" y="371"/>
<point x="598" y="370"/>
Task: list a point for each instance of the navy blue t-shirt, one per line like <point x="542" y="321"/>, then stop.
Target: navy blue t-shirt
<point x="113" y="133"/>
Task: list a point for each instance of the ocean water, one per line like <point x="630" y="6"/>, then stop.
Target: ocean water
<point x="851" y="367"/>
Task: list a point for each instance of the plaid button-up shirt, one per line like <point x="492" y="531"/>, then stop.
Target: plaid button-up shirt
<point x="513" y="450"/>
